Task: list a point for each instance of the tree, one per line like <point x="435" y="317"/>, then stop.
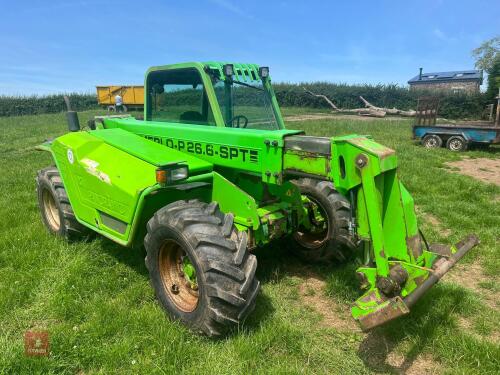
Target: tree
<point x="493" y="79"/>
<point x="486" y="54"/>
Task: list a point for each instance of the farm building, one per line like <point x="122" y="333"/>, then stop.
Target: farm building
<point x="467" y="81"/>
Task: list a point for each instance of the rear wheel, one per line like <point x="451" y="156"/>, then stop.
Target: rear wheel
<point x="432" y="141"/>
<point x="56" y="211"/>
<point x="199" y="266"/>
<point x="328" y="238"/>
<point x="456" y="144"/>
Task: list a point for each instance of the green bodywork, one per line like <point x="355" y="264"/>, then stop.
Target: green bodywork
<point x="109" y="175"/>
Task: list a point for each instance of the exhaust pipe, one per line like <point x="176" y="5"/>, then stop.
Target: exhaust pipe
<point x="71" y="117"/>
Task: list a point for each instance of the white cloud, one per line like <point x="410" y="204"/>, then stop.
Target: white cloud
<point x="441" y="35"/>
<point x="231" y="7"/>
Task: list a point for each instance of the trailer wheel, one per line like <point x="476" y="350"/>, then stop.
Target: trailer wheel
<point x="56" y="211"/>
<point x="329" y="238"/>
<point x="199" y="266"/>
<point x="432" y="141"/>
<point x="456" y="144"/>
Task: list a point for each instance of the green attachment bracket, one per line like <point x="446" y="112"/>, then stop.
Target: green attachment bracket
<point x="375" y="308"/>
<point x="397" y="271"/>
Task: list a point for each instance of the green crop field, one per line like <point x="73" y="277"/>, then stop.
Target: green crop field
<point x="95" y="300"/>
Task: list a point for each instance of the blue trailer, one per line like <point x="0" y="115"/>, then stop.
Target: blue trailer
<point x="455" y="137"/>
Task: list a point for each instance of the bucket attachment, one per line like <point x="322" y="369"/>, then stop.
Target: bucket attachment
<point x="374" y="308"/>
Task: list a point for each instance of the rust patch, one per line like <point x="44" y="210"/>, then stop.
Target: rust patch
<point x="482" y="169"/>
<point x="415" y="244"/>
<point x="394" y="309"/>
<point x="381" y="151"/>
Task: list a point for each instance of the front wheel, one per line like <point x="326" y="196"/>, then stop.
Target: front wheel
<point x="328" y="237"/>
<point x="200" y="268"/>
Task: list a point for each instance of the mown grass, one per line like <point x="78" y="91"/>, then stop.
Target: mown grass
<point x="95" y="300"/>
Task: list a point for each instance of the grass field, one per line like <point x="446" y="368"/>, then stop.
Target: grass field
<point x="95" y="300"/>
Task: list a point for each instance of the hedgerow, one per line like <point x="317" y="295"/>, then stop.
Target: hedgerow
<point x="347" y="96"/>
<point x="34" y="105"/>
<point x="452" y="106"/>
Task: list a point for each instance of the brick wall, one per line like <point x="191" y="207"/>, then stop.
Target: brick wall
<point x="467" y="86"/>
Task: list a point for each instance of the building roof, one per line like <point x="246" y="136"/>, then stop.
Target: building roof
<point x="459" y="75"/>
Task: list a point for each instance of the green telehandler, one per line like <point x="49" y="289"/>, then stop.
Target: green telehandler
<point x="211" y="173"/>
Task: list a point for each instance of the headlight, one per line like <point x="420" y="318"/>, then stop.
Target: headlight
<point x="179" y="173"/>
<point x="166" y="176"/>
<point x="264" y="72"/>
<point x="228" y="70"/>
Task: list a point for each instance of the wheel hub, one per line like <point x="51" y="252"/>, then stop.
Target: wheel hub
<point x="178" y="276"/>
<point x="317" y="234"/>
<point x="431" y="143"/>
<point x="455" y="144"/>
<point x="50" y="209"/>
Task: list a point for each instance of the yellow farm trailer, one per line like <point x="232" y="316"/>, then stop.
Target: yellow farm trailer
<point x="132" y="96"/>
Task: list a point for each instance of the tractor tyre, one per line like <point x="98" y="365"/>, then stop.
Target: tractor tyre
<point x="55" y="208"/>
<point x="199" y="266"/>
<point x="329" y="238"/>
<point x="456" y="143"/>
<point x="432" y="141"/>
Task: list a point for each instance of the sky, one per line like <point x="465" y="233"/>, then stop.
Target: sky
<point x="55" y="46"/>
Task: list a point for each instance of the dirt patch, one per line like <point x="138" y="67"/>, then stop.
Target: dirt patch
<point x="423" y="365"/>
<point x="324" y="116"/>
<point x="467" y="325"/>
<point x="482" y="169"/>
<point x="382" y="355"/>
<point x="312" y="293"/>
<point x="434" y="222"/>
<point x="313" y="116"/>
<point x="470" y="276"/>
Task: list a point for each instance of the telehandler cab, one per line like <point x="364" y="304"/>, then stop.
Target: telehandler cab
<point x="212" y="172"/>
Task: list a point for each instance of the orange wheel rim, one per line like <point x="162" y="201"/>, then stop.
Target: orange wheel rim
<point x="177" y="286"/>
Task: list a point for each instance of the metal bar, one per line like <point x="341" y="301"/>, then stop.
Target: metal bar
<point x="497" y="121"/>
<point x="462" y="248"/>
<point x="374" y="214"/>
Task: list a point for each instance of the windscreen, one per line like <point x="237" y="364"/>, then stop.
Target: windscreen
<point x="179" y="96"/>
<point x="245" y="105"/>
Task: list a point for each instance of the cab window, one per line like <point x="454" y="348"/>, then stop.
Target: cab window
<point x="178" y="96"/>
